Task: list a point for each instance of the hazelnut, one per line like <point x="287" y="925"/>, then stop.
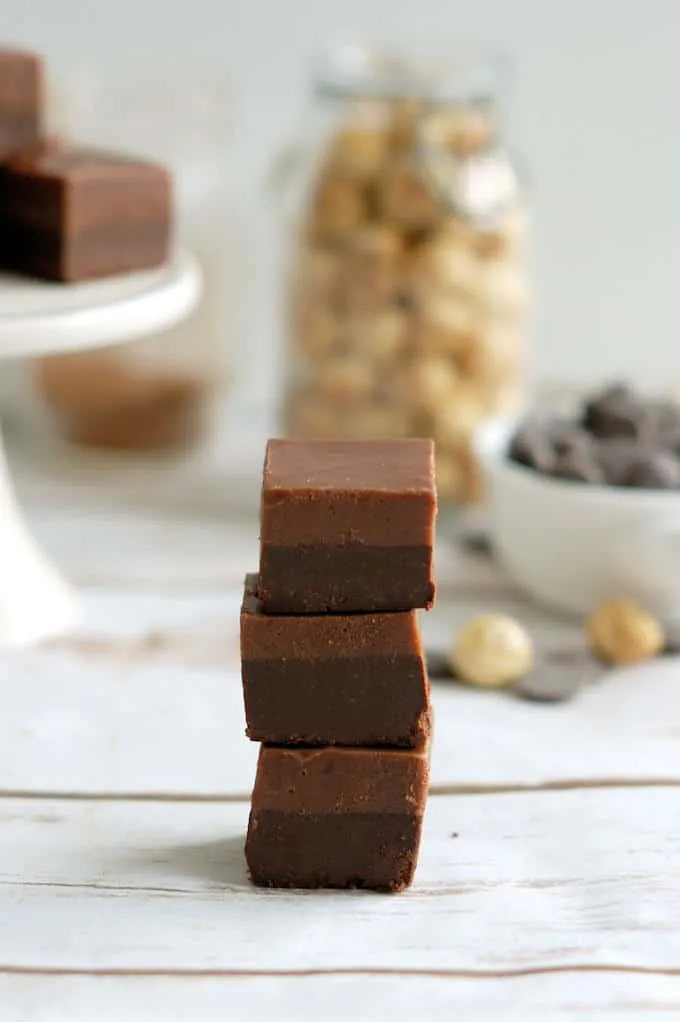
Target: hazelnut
<point x="448" y="474"/>
<point x="459" y="417"/>
<point x="338" y="208"/>
<point x="444" y="323"/>
<point x="434" y="381"/>
<point x="307" y="415"/>
<point x="492" y="650"/>
<point x="492" y="354"/>
<point x="379" y="421"/>
<point x="316" y="275"/>
<point x="402" y="123"/>
<point x="379" y="337"/>
<point x="359" y="151"/>
<point x="461" y="130"/>
<point x="620" y="631"/>
<point x="375" y="245"/>
<point x="315" y="331"/>
<point x="469" y="488"/>
<point x="507" y="237"/>
<point x="445" y="263"/>
<point x="502" y="289"/>
<point x="370" y="269"/>
<point x="344" y="379"/>
<point x="406" y="199"/>
<point x="472" y="487"/>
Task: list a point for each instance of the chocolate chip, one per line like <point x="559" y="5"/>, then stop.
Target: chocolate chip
<point x="438" y="667"/>
<point x="655" y="471"/>
<point x="566" y="438"/>
<point x="477" y="543"/>
<point x="616" y="412"/>
<point x="616" y="457"/>
<point x="531" y="446"/>
<point x="580" y="465"/>
<point x="666" y="423"/>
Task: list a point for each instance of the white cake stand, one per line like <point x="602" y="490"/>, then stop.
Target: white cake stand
<point x="38" y="318"/>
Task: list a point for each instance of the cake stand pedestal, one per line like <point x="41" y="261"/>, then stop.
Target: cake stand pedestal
<point x="38" y="318"/>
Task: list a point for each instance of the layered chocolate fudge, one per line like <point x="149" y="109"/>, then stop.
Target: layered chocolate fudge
<point x="337" y="817"/>
<point x="347" y="526"/>
<point x="20" y="99"/>
<point x="333" y="679"/>
<point x="73" y="214"/>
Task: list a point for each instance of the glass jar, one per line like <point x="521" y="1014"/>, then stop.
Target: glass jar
<point x="408" y="290"/>
<point x="157" y="392"/>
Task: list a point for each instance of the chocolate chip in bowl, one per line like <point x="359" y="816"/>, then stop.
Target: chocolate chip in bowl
<point x="618" y="438"/>
<point x="617" y="411"/>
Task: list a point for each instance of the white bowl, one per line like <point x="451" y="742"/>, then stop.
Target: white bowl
<point x="570" y="544"/>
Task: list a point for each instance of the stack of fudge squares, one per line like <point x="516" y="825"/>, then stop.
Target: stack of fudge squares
<point x="334" y="678"/>
<point x="68" y="212"/>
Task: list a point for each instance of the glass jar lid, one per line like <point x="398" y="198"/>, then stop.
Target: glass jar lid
<point x="462" y="75"/>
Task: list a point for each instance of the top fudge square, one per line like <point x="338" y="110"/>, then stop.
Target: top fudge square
<point x="72" y="214"/>
<point x="347" y="526"/>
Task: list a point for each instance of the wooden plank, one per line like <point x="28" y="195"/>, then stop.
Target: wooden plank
<point x="506" y="882"/>
<point x="146" y="697"/>
<point x="552" y="998"/>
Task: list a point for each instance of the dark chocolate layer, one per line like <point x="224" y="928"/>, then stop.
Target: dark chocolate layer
<point x="361" y="850"/>
<point x="85" y="254"/>
<point x="345" y="578"/>
<point x="357" y="701"/>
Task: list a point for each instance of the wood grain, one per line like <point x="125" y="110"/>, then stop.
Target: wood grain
<point x="560" y="997"/>
<point x="536" y="880"/>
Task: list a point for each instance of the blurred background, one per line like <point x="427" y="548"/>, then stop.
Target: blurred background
<point x="589" y="108"/>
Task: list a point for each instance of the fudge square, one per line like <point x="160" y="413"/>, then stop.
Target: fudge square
<point x="20" y="99"/>
<point x="347" y="525"/>
<point x="333" y="679"/>
<point x="336" y="817"/>
<point x="73" y="214"/>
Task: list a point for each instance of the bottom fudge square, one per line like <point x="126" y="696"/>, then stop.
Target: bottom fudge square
<point x="337" y="817"/>
<point x="333" y="679"/>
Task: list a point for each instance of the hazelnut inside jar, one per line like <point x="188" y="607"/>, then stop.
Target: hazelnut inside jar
<point x="408" y="294"/>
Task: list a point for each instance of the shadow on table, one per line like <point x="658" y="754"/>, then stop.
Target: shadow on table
<point x="220" y="864"/>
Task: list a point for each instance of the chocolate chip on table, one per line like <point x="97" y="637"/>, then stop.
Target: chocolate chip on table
<point x="655" y="471"/>
<point x="558" y="676"/>
<point x="477" y="543"/>
<point x="438" y="666"/>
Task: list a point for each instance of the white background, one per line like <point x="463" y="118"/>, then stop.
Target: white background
<point x="594" y="112"/>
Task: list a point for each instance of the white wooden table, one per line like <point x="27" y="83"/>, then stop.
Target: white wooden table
<point x="549" y="880"/>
